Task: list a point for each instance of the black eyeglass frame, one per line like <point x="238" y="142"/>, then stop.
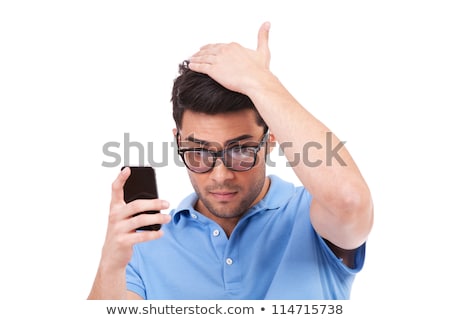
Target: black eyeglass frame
<point x="221" y="154"/>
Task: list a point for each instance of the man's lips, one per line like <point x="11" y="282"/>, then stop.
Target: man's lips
<point x="223" y="195"/>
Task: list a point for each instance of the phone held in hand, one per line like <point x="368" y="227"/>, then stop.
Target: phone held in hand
<point x="141" y="184"/>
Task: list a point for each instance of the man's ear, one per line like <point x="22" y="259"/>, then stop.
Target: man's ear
<point x="271" y="142"/>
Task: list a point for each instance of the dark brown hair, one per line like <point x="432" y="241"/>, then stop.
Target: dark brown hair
<point x="200" y="93"/>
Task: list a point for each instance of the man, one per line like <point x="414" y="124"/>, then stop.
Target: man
<point x="242" y="234"/>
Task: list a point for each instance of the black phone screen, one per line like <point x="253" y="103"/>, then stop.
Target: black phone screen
<point x="141" y="184"/>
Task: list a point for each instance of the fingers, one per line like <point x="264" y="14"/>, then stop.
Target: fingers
<point x="210" y="54"/>
<point x="202" y="58"/>
<point x="117" y="186"/>
<point x="207" y="54"/>
<point x="263" y="41"/>
<point x="120" y="212"/>
<point x="118" y="224"/>
<point x="124" y="220"/>
<point x="130" y="225"/>
<point x="209" y="47"/>
<point x="121" y="236"/>
<point x="142" y="220"/>
<point x="145" y="236"/>
<point x="141" y="205"/>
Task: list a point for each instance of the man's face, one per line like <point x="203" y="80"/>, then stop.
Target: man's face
<point x="224" y="193"/>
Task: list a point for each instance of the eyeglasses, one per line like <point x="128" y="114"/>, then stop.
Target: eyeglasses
<point x="235" y="158"/>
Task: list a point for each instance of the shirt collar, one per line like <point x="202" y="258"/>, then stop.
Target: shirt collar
<point x="278" y="194"/>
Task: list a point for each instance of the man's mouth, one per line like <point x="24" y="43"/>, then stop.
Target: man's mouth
<point x="223" y="195"/>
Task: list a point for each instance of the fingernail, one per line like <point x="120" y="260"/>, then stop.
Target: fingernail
<point x="165" y="204"/>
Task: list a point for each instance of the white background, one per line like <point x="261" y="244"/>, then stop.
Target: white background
<point x="75" y="75"/>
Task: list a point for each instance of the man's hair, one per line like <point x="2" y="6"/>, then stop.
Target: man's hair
<point x="200" y="93"/>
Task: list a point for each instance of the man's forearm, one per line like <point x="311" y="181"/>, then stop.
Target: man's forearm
<point x="319" y="159"/>
<point x="108" y="285"/>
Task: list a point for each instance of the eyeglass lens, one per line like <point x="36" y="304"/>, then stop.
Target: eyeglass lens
<point x="238" y="159"/>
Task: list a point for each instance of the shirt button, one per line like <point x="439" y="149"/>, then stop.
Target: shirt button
<point x="193" y="215"/>
<point x="216" y="233"/>
<point x="229" y="261"/>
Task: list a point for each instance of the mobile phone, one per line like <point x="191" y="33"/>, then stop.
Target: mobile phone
<point x="141" y="184"/>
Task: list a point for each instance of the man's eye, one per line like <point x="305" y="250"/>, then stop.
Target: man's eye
<point x="243" y="151"/>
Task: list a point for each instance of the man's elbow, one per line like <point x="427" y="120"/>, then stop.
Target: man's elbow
<point x="356" y="212"/>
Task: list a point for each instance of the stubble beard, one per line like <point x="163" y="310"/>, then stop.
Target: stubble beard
<point x="229" y="210"/>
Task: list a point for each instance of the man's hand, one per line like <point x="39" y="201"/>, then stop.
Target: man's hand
<point x="110" y="281"/>
<point x="121" y="234"/>
<point x="233" y="66"/>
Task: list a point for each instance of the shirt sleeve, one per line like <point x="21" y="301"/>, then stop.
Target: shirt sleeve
<point x="133" y="278"/>
<point x="338" y="264"/>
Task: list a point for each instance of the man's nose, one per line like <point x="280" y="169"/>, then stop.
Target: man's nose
<point x="220" y="172"/>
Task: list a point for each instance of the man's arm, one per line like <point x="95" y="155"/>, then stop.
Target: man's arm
<point x="110" y="280"/>
<point x="341" y="209"/>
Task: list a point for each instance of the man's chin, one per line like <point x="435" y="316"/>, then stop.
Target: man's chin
<point x="224" y="211"/>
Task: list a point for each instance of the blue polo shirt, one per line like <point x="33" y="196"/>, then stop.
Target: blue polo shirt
<point x="273" y="253"/>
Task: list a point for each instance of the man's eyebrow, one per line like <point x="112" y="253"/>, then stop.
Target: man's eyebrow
<point x="237" y="139"/>
<point x="191" y="138"/>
